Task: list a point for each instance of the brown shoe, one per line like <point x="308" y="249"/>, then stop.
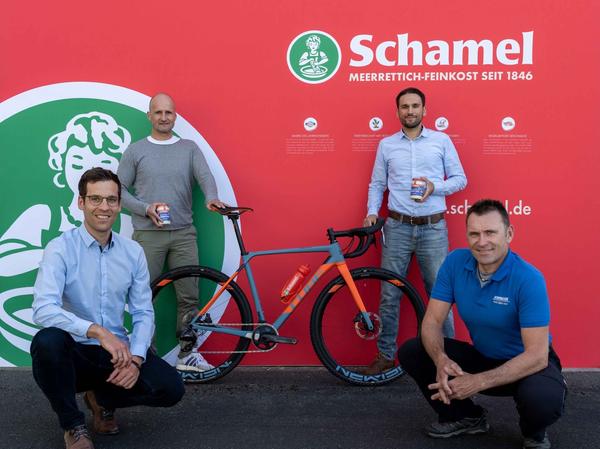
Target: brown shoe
<point x="379" y="365"/>
<point x="105" y="422"/>
<point x="78" y="438"/>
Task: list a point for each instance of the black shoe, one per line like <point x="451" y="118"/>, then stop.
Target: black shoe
<point x="468" y="426"/>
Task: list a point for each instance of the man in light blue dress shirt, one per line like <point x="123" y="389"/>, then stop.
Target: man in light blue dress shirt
<point x="86" y="279"/>
<point x="413" y="226"/>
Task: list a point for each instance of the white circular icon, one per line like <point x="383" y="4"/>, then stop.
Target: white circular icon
<point x="310" y="124"/>
<point x="508" y="123"/>
<point x="375" y="124"/>
<point x="441" y="123"/>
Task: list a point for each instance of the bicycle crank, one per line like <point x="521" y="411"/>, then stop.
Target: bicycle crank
<point x="265" y="337"/>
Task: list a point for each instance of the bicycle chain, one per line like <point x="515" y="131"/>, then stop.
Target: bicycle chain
<point x="248" y="351"/>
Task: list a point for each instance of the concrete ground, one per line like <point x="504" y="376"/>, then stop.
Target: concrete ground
<point x="304" y="408"/>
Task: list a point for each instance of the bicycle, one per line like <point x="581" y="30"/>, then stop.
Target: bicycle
<point x="344" y="324"/>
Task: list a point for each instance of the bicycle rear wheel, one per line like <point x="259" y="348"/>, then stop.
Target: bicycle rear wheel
<point x="338" y="334"/>
<point x="223" y="352"/>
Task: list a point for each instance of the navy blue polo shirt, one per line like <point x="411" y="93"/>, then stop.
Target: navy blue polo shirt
<point x="514" y="298"/>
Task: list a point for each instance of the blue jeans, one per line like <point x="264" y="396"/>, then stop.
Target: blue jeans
<point x="61" y="367"/>
<point x="429" y="243"/>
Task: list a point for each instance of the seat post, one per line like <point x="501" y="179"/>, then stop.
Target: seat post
<point x="238" y="235"/>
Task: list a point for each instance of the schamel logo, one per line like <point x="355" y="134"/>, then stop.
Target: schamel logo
<point x="314" y="57"/>
<point x="50" y="135"/>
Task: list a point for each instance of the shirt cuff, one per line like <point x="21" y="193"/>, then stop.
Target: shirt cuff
<point x="81" y="327"/>
<point x="140" y="350"/>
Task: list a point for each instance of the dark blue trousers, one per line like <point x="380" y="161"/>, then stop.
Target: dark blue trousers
<point x="63" y="367"/>
<point x="539" y="397"/>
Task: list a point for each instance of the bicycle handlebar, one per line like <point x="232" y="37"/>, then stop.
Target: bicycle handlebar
<point x="365" y="237"/>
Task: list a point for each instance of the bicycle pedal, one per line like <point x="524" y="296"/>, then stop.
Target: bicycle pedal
<point x="280" y="339"/>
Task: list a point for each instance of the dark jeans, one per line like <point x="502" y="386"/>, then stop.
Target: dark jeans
<point x="63" y="367"/>
<point x="539" y="397"/>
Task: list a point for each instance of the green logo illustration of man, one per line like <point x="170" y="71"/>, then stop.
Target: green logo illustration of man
<point x="313" y="57"/>
<point x="51" y="135"/>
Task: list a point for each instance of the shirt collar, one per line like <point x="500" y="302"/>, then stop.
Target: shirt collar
<point x="501" y="272"/>
<point x="425" y="132"/>
<point x="173" y="139"/>
<point x="89" y="240"/>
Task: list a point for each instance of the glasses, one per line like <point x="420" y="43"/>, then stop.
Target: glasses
<point x="96" y="200"/>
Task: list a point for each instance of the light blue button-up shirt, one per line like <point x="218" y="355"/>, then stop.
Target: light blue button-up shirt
<point x="79" y="284"/>
<point x="400" y="159"/>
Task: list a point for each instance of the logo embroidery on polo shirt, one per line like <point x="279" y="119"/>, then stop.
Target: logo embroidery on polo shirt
<point x="502" y="300"/>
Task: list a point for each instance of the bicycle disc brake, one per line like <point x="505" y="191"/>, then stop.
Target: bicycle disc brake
<point x="361" y="328"/>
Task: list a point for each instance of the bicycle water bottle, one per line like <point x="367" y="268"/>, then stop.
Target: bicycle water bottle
<point x="292" y="286"/>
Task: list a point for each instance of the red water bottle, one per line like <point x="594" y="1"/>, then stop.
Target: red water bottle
<point x="292" y="286"/>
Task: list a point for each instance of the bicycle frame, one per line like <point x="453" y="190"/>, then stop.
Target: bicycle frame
<point x="335" y="258"/>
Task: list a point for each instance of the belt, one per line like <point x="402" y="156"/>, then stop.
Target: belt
<point x="427" y="219"/>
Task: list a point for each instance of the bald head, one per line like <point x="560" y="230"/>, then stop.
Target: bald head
<point x="162" y="115"/>
<point x="161" y="98"/>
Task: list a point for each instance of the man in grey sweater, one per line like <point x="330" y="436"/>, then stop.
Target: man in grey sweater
<point x="162" y="169"/>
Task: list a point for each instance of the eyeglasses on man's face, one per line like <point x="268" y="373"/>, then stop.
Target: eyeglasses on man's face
<point x="96" y="200"/>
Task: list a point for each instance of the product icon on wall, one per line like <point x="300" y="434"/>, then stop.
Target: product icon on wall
<point x="508" y="123"/>
<point x="375" y="124"/>
<point x="310" y="124"/>
<point x="441" y="123"/>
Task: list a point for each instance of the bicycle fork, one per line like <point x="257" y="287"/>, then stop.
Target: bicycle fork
<point x="345" y="272"/>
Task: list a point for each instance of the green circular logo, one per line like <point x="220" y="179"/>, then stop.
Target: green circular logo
<point x="50" y="136"/>
<point x="314" y="57"/>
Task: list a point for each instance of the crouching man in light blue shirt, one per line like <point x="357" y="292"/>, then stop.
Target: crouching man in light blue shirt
<point x="87" y="277"/>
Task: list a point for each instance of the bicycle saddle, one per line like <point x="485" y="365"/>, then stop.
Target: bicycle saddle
<point x="233" y="211"/>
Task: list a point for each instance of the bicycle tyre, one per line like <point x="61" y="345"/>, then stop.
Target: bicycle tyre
<point x="339" y="346"/>
<point x="236" y="309"/>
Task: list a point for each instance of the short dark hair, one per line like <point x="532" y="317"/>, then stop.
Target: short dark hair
<point x="485" y="206"/>
<point x="97" y="174"/>
<point x="410" y="90"/>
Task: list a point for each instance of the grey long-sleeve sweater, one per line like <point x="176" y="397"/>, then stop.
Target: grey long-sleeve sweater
<point x="164" y="173"/>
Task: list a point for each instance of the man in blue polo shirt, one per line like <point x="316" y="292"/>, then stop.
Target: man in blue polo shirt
<point x="504" y="303"/>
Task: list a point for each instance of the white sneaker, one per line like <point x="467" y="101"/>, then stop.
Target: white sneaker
<point x="193" y="362"/>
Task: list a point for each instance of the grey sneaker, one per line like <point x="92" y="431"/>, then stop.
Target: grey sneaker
<point x="530" y="443"/>
<point x="468" y="426"/>
<point x="193" y="362"/>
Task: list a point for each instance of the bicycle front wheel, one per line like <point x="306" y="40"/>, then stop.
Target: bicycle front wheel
<point x="221" y="351"/>
<point x="339" y="333"/>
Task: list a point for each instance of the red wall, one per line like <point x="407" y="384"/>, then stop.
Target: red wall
<point x="225" y="65"/>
